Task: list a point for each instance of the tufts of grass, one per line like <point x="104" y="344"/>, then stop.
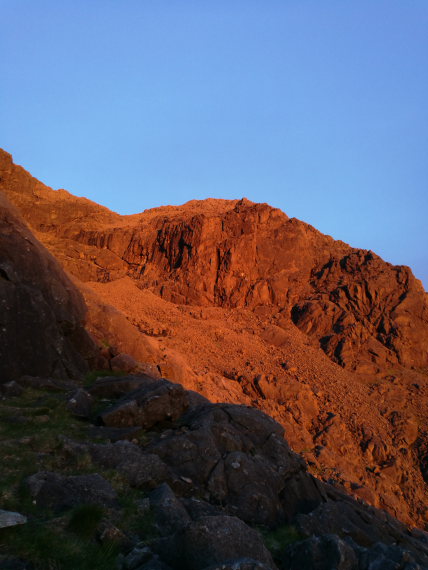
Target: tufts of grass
<point x="132" y="519"/>
<point x="84" y="520"/>
<point x="276" y="540"/>
<point x="94" y="374"/>
<point x="28" y="445"/>
<point x="50" y="547"/>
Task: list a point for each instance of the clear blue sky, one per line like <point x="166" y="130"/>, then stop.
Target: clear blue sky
<point x="319" y="107"/>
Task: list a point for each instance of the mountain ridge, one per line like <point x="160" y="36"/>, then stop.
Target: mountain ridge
<point x="250" y="306"/>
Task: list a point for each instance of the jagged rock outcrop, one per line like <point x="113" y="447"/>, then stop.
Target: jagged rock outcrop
<point x="359" y="308"/>
<point x="363" y="311"/>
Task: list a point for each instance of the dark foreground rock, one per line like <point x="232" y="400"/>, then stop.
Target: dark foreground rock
<point x="9" y="518"/>
<point x="218" y="470"/>
<point x="204" y="480"/>
<point x="58" y="492"/>
<point x="222" y="539"/>
<point x="320" y="553"/>
<point x="42" y="313"/>
<point x="116" y="387"/>
<point x="237" y="457"/>
<point x="328" y="552"/>
<point x="156" y="402"/>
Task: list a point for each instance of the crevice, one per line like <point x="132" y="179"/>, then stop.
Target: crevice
<point x="4" y="275"/>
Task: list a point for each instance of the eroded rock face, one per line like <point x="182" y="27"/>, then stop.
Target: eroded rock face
<point x="362" y="311"/>
<point x="41" y="312"/>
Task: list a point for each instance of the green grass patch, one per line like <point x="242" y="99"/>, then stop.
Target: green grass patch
<point x="31" y="426"/>
<point x="276" y="540"/>
<point x="84" y="520"/>
<point x="51" y="547"/>
<point x="92" y="375"/>
<point x="132" y="519"/>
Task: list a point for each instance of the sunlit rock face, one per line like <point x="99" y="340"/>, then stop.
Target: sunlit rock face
<point x="238" y="302"/>
<point x="362" y="311"/>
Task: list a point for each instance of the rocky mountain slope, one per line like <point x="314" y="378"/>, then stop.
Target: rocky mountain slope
<point x="40" y="307"/>
<point x="244" y="305"/>
<point x="361" y="310"/>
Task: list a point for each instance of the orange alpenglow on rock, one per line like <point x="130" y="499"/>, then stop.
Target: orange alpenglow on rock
<point x="242" y="304"/>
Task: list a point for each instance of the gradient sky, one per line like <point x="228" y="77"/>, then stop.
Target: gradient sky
<point x="318" y="107"/>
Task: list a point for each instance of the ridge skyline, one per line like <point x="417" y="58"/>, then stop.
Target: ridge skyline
<point x="200" y="201"/>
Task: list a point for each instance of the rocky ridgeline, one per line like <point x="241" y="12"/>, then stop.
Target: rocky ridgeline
<point x="213" y="486"/>
<point x="363" y="312"/>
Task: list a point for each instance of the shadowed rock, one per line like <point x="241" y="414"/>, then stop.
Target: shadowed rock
<point x="10" y="518"/>
<point x="214" y="540"/>
<point x="58" y="492"/>
<point x="237" y="457"/>
<point x="159" y="401"/>
<point x="41" y="313"/>
<point x="320" y="553"/>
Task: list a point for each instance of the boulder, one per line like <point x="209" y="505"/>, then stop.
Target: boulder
<point x="364" y="525"/>
<point x="146" y="473"/>
<point x="169" y="512"/>
<point x="10" y="518"/>
<point x="388" y="557"/>
<point x="123" y="362"/>
<point x="221" y="539"/>
<point x="114" y="387"/>
<point x="198" y="508"/>
<point x="142" y="470"/>
<point x="58" y="492"/>
<point x="160" y="401"/>
<point x="325" y="552"/>
<point x="80" y="403"/>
